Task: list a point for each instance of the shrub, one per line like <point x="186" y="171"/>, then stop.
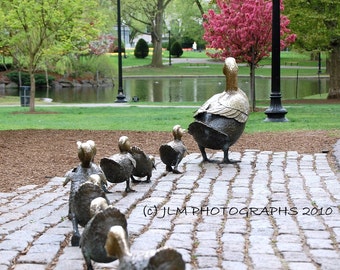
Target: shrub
<point x="187" y="42"/>
<point x="5" y="67"/>
<point x="115" y="47"/>
<point x="40" y="79"/>
<point x="176" y="49"/>
<point x="141" y="49"/>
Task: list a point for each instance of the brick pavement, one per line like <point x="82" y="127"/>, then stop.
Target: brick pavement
<point x="274" y="210"/>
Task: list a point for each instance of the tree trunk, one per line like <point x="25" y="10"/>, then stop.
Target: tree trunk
<point x="252" y="86"/>
<point x="334" y="73"/>
<point x="32" y="93"/>
<point x="157" y="57"/>
<point x="47" y="84"/>
<point x="156" y="35"/>
<point x="199" y="7"/>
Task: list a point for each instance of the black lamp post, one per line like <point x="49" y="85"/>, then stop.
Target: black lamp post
<point x="120" y="97"/>
<point x="276" y="113"/>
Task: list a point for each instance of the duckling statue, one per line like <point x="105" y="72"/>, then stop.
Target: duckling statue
<point x="144" y="164"/>
<point x="80" y="175"/>
<point x="86" y="152"/>
<point x="173" y="152"/>
<point x="119" y="167"/>
<point x="95" y="233"/>
<point x="161" y="259"/>
<point x="81" y="207"/>
<point x="221" y="120"/>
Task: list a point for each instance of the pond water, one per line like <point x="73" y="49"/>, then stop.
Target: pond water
<point x="185" y="89"/>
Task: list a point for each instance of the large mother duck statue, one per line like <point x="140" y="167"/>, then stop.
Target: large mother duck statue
<point x="221" y="120"/>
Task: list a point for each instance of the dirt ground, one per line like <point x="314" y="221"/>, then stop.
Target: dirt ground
<point x="34" y="156"/>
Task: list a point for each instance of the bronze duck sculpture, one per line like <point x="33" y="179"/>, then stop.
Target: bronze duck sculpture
<point x="86" y="153"/>
<point x="144" y="164"/>
<point x="95" y="233"/>
<point x="161" y="259"/>
<point x="80" y="175"/>
<point x="81" y="206"/>
<point x="173" y="152"/>
<point x="119" y="167"/>
<point x="221" y="120"/>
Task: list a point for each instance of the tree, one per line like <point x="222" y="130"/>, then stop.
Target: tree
<point x="150" y="14"/>
<point x="184" y="18"/>
<point x="243" y="30"/>
<point x="98" y="49"/>
<point x="103" y="44"/>
<point x="35" y="30"/>
<point x="317" y="24"/>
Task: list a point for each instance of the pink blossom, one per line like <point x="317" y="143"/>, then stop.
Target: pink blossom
<point x="243" y="26"/>
<point x="103" y="44"/>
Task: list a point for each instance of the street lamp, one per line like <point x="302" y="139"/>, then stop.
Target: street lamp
<point x="276" y="113"/>
<point x="120" y="97"/>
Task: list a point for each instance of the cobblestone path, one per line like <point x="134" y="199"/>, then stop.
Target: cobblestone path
<point x="271" y="211"/>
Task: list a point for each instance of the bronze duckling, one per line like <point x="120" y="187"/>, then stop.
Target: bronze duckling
<point x="173" y="152"/>
<point x="80" y="175"/>
<point x="95" y="233"/>
<point x="119" y="167"/>
<point x="144" y="164"/>
<point x="221" y="120"/>
<point x="86" y="153"/>
<point x="81" y="205"/>
<point x="161" y="259"/>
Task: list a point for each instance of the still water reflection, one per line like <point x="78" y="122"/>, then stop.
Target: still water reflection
<point x="184" y="89"/>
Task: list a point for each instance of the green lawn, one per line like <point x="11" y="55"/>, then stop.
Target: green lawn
<point x="290" y="60"/>
<point x="160" y="117"/>
<point x="157" y="118"/>
<point x="210" y="70"/>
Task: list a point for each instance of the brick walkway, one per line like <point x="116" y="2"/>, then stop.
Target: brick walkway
<point x="271" y="211"/>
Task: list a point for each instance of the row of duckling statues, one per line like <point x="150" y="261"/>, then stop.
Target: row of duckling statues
<point x="105" y="235"/>
<point x="218" y="124"/>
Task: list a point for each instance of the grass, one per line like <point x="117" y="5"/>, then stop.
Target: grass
<point x="140" y="67"/>
<point x="154" y="118"/>
<point x="162" y="116"/>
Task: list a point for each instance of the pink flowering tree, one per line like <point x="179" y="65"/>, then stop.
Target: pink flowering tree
<point x="243" y="29"/>
<point x="98" y="48"/>
<point x="103" y="44"/>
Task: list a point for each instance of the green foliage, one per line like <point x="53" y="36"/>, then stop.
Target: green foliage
<point x="40" y="79"/>
<point x="50" y="28"/>
<point x="105" y="67"/>
<point x="4" y="67"/>
<point x="176" y="49"/>
<point x="187" y="42"/>
<point x="186" y="22"/>
<point x="316" y="23"/>
<point x="168" y="44"/>
<point x="141" y="49"/>
<point x="99" y="66"/>
<point x="64" y="65"/>
<point x="39" y="32"/>
<point x="115" y="46"/>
